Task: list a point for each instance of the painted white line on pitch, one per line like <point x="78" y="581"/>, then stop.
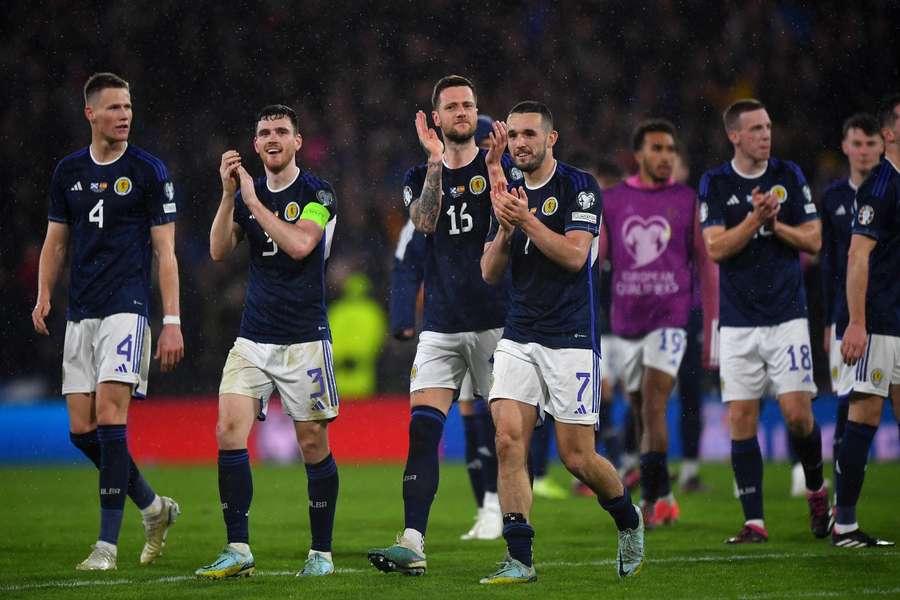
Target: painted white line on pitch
<point x="834" y="594"/>
<point x="723" y="558"/>
<point x="713" y="558"/>
<point x="77" y="583"/>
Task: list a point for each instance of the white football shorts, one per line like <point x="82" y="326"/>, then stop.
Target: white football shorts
<point x="841" y="374"/>
<point x="662" y="349"/>
<point x="443" y="359"/>
<point x="613" y="358"/>
<point x="114" y="348"/>
<point x="302" y="373"/>
<point x="879" y="367"/>
<point x="751" y="357"/>
<point x="564" y="382"/>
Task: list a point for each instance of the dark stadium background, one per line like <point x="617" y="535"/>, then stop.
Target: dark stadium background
<point x="356" y="73"/>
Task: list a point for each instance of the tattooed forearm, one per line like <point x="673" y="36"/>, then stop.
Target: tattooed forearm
<point x="426" y="209"/>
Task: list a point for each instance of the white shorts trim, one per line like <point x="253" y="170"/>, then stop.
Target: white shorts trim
<point x="751" y="357"/>
<point x="564" y="382"/>
<point x="878" y="368"/>
<point x="444" y="359"/>
<point x="114" y="348"/>
<point x="302" y="373"/>
<point x="662" y="349"/>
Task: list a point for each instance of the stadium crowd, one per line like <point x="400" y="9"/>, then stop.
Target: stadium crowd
<point x="356" y="77"/>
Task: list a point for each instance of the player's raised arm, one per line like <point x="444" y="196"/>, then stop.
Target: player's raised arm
<point x="296" y="239"/>
<point x="425" y="210"/>
<point x="170" y="347"/>
<point x="496" y="251"/>
<point x="498" y="140"/>
<point x="722" y="243"/>
<point x="53" y="257"/>
<point x="225" y="234"/>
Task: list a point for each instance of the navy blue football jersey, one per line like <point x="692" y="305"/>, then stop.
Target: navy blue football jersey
<point x="761" y="285"/>
<point x="549" y="305"/>
<point x="878" y="217"/>
<point x="456" y="297"/>
<point x="837" y="220"/>
<point x="285" y="301"/>
<point x="110" y="209"/>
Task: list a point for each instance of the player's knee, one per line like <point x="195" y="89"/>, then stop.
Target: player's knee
<point x="508" y="445"/>
<point x="228" y="434"/>
<point x="575" y="462"/>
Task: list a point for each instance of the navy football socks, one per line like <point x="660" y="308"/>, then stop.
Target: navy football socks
<point x="474" y="464"/>
<point x="809" y="453"/>
<point x="854" y="454"/>
<point x="139" y="490"/>
<point x="420" y="477"/>
<point x="488" y="450"/>
<point x="654" y="476"/>
<point x="113" y="480"/>
<point x="840" y="426"/>
<point x="518" y="535"/>
<point x="622" y="511"/>
<point x="322" y="486"/>
<point x="746" y="460"/>
<point x="236" y="493"/>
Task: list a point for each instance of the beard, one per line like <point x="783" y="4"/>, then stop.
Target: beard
<point x="460" y="138"/>
<point x="530" y="163"/>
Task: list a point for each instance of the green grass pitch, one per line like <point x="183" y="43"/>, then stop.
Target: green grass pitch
<point x="50" y="519"/>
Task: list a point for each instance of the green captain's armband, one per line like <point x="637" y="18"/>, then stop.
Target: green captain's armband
<point x="316" y="213"/>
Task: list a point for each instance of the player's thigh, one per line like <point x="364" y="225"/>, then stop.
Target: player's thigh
<point x="514" y="422"/>
<point x="741" y="367"/>
<point x="788" y="356"/>
<point x="572" y="377"/>
<point x="303" y="374"/>
<point x="112" y="399"/>
<point x="796" y="408"/>
<point x="663" y="350"/>
<point x="237" y="413"/>
<point x="517" y="375"/>
<point x="865" y="408"/>
<point x="631" y="356"/>
<point x="244" y="375"/>
<point x="82" y="412"/>
<point x="122" y="351"/>
<point x="574" y="441"/>
<point x="440" y="362"/>
<point x="79" y="371"/>
<point x="312" y="436"/>
<point x="479" y="351"/>
<point x="879" y="366"/>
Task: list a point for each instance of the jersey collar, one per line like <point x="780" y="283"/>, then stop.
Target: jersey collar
<point x="748" y="175"/>
<point x="103" y="164"/>
<point x="892" y="163"/>
<point x="546" y="181"/>
<point x="281" y="189"/>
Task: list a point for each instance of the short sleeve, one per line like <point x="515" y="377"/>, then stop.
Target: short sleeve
<point x="493" y="228"/>
<point x="59" y="208"/>
<point x="876" y="202"/>
<point x="799" y="202"/>
<point x="712" y="209"/>
<point x="586" y="206"/>
<point x="412" y="185"/>
<point x="161" y="201"/>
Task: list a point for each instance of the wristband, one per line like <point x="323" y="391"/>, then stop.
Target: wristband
<point x="171" y="320"/>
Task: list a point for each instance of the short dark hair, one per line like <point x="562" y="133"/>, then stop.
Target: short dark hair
<point x="448" y="82"/>
<point x="886" y="116"/>
<point x="865" y="122"/>
<point x="98" y="82"/>
<point x="277" y="111"/>
<point x="732" y="115"/>
<point x="533" y="106"/>
<point x="650" y="126"/>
